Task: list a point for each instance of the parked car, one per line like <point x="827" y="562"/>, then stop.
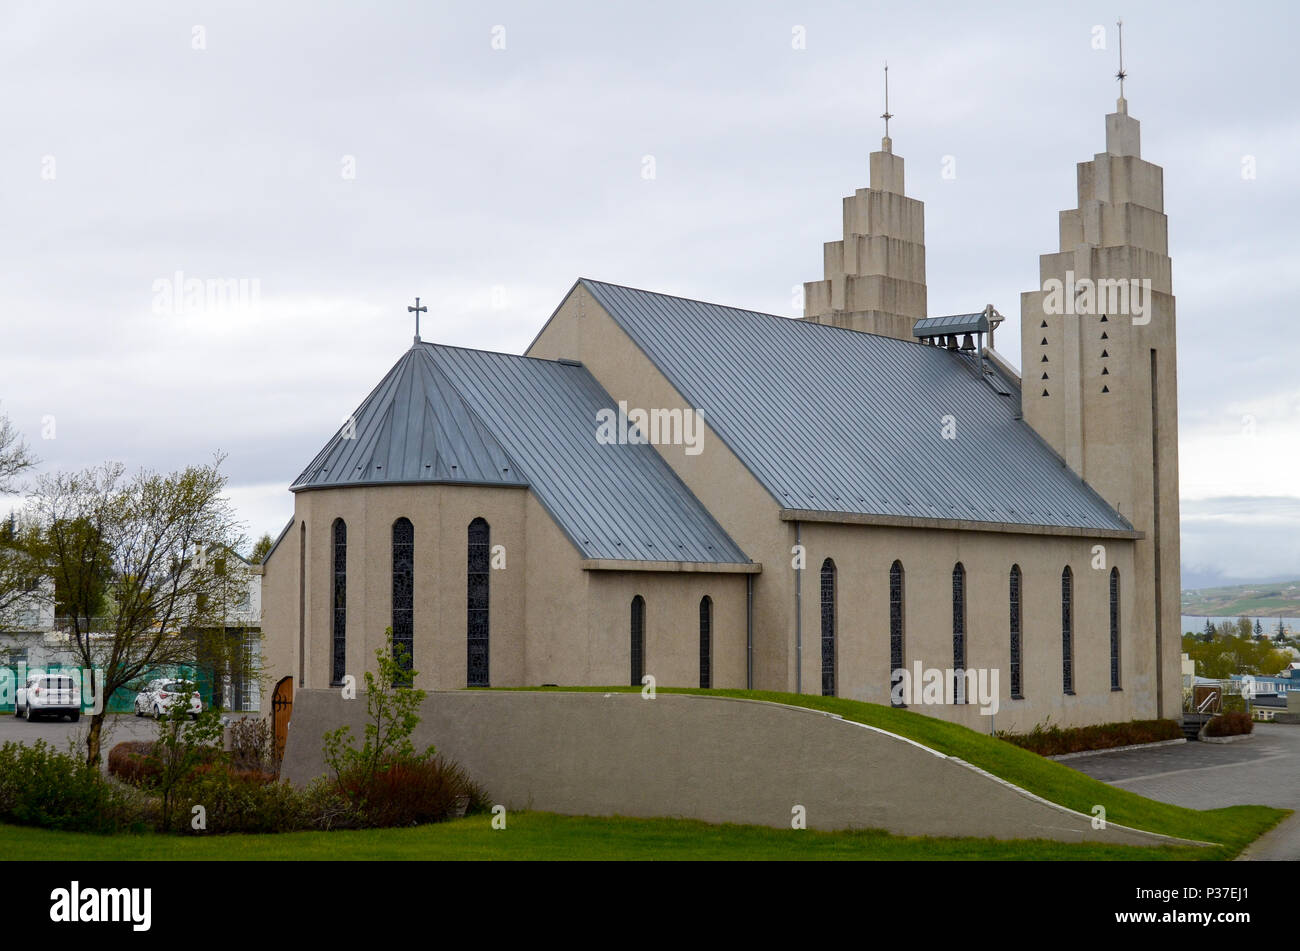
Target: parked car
<point x="159" y="696"/>
<point x="48" y="695"/>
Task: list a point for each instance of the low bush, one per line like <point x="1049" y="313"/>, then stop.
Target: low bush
<point x="251" y="746"/>
<point x="1057" y="741"/>
<point x="409" y="791"/>
<point x="1233" y="723"/>
<point x="39" y="786"/>
<point x="133" y="762"/>
<point x="236" y="800"/>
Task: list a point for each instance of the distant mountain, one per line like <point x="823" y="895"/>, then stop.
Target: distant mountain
<point x="1257" y="599"/>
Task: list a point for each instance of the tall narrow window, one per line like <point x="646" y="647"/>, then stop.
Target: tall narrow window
<point x="1114" y="629"/>
<point x="476" y="622"/>
<point x="706" y="641"/>
<point x="896" y="633"/>
<point x="959" y="631"/>
<point x="1067" y="630"/>
<point x="338" y="667"/>
<point x="637" y="635"/>
<point x="1017" y="684"/>
<point x="404" y="592"/>
<point x="828" y="628"/>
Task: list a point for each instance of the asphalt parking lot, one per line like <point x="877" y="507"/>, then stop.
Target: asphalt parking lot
<point x="1263" y="769"/>
<point x="59" y="733"/>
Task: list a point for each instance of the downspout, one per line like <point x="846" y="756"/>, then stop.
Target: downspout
<point x="798" y="615"/>
<point x="749" y="632"/>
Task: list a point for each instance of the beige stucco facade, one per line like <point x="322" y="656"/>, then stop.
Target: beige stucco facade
<point x="553" y="619"/>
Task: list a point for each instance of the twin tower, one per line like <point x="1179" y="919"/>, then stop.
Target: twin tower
<point x="1097" y="342"/>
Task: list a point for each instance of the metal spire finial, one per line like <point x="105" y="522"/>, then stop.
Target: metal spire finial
<point x="1121" y="75"/>
<point x="417" y="310"/>
<point x="886" y="115"/>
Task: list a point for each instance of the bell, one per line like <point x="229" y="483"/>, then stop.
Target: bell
<point x="952" y="341"/>
<point x="968" y="343"/>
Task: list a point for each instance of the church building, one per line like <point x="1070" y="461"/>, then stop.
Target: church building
<point x="715" y="497"/>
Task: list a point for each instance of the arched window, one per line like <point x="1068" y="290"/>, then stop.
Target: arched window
<point x="828" y="628"/>
<point x="637" y="633"/>
<point x="1067" y="630"/>
<point x="706" y="641"/>
<point x="404" y="592"/>
<point x="959" y="631"/>
<point x="476" y="622"/>
<point x="338" y="667"/>
<point x="1114" y="629"/>
<point x="1017" y="683"/>
<point x="896" y="632"/>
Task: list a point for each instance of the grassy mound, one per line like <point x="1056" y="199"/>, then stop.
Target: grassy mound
<point x="1234" y="827"/>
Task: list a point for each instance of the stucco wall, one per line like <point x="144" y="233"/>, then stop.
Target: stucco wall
<point x="552" y="620"/>
<point x="708" y="758"/>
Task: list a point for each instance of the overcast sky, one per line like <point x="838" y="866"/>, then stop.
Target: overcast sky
<point x="343" y="158"/>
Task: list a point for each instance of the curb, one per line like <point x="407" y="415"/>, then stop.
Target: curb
<point x="1120" y="749"/>
<point x="1227" y="739"/>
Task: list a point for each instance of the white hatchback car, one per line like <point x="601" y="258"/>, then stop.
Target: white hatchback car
<point x="48" y="695"/>
<point x="159" y="696"/>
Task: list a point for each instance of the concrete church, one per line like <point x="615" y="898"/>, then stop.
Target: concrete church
<point x="716" y="497"/>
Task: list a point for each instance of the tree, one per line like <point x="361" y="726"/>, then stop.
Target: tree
<point x="261" y="549"/>
<point x="19" y="574"/>
<point x="1280" y="636"/>
<point x="392" y="714"/>
<point x="1208" y="634"/>
<point x="15" y="457"/>
<point x="1259" y="629"/>
<point x="1230" y="653"/>
<point x="143" y="534"/>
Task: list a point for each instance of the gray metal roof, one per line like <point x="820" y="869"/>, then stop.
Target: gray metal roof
<point x="413" y="427"/>
<point x="451" y="415"/>
<point x="830" y="419"/>
<point x="951" y="324"/>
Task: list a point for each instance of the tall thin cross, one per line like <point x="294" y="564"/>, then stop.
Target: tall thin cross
<point x="417" y="310"/>
<point x="1121" y="74"/>
<point x="886" y="115"/>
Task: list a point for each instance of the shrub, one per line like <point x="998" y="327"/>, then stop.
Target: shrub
<point x="39" y="786"/>
<point x="236" y="800"/>
<point x="1055" y="741"/>
<point x="251" y="746"/>
<point x="1233" y="723"/>
<point x="410" y="791"/>
<point x="133" y="762"/>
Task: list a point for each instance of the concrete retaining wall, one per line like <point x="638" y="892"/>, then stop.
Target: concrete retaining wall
<point x="711" y="758"/>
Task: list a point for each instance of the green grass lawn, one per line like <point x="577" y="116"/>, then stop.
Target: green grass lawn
<point x="533" y="836"/>
<point x="1234" y="827"/>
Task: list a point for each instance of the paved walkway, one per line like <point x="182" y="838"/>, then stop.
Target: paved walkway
<point x="1261" y="770"/>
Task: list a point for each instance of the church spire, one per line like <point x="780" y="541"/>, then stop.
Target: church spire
<point x="1121" y="105"/>
<point x="874" y="276"/>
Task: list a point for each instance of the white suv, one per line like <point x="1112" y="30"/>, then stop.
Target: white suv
<point x="48" y="695"/>
<point x="158" y="698"/>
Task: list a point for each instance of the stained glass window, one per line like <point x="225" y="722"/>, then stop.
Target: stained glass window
<point x="477" y="628"/>
<point x="895" y="629"/>
<point x="404" y="592"/>
<point x="1017" y="684"/>
<point x="828" y="628"/>
<point x="959" y="631"/>
<point x="1114" y="629"/>
<point x="338" y="668"/>
<point x="638" y="640"/>
<point x="1067" y="630"/>
<point x="706" y="642"/>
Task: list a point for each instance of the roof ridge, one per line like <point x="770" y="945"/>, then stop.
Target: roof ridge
<point x="756" y="313"/>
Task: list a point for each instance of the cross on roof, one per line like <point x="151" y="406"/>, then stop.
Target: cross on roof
<point x="886" y="115"/>
<point x="417" y="310"/>
<point x="1121" y="75"/>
